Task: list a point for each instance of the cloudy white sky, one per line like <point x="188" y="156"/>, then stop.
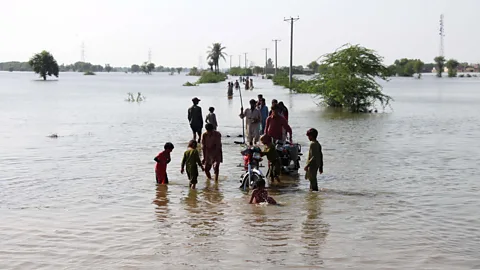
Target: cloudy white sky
<point x="120" y="32"/>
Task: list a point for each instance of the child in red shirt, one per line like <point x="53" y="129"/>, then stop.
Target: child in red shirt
<point x="162" y="160"/>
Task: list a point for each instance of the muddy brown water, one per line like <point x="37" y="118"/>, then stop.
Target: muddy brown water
<point x="402" y="187"/>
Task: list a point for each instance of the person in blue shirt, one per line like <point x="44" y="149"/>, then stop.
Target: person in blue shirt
<point x="264" y="113"/>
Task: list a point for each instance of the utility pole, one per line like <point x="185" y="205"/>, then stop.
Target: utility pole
<point x="149" y="56"/>
<point x="239" y="60"/>
<point x="442" y="34"/>
<point x="292" y="20"/>
<point x="245" y="63"/>
<point x="266" y="61"/>
<point x="276" y="66"/>
<point x="82" y="52"/>
<point x="231" y="61"/>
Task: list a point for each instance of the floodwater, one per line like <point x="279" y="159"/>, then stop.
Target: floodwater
<point x="402" y="187"/>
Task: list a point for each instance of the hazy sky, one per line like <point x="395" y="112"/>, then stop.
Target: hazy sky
<point x="120" y="32"/>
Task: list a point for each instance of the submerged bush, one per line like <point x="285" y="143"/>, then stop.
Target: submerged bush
<point x="89" y="73"/>
<point x="211" y="77"/>
<point x="190" y="84"/>
<point x="348" y="81"/>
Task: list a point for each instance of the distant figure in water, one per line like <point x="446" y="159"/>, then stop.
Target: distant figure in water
<point x="191" y="159"/>
<point x="247" y="84"/>
<point x="162" y="159"/>
<point x="237" y="85"/>
<point x="251" y="84"/>
<point x="230" y="89"/>
<point x="139" y="97"/>
<point x="260" y="194"/>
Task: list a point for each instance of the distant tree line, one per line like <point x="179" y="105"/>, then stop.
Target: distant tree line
<point x="85" y="67"/>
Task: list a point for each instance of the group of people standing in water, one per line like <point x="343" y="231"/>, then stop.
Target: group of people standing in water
<point x="248" y="82"/>
<point x="271" y="124"/>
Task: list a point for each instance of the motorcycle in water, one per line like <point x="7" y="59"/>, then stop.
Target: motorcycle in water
<point x="289" y="154"/>
<point x="252" y="174"/>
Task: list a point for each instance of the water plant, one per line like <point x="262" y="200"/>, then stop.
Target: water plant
<point x="190" y="84"/>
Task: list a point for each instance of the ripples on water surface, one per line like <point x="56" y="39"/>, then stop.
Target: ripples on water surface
<point x="402" y="187"/>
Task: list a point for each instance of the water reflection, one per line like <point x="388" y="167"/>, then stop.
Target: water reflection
<point x="212" y="193"/>
<point x="213" y="209"/>
<point x="161" y="200"/>
<point x="314" y="229"/>
<point x="191" y="201"/>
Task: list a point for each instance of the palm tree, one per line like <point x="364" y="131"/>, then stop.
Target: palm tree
<point x="215" y="53"/>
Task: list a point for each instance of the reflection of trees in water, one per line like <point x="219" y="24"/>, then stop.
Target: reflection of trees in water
<point x="161" y="200"/>
<point x="314" y="229"/>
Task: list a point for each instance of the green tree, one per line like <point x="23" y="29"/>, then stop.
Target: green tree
<point x="392" y="70"/>
<point x="269" y="63"/>
<point x="44" y="64"/>
<point x="135" y="68"/>
<point x="215" y="53"/>
<point x="150" y="67"/>
<point x="440" y="64"/>
<point x="452" y="66"/>
<point x="179" y="69"/>
<point x="349" y="80"/>
<point x="418" y="67"/>
<point x="147" y="68"/>
<point x="257" y="70"/>
<point x="10" y="69"/>
<point x="313" y="66"/>
<point x="108" y="68"/>
<point x="194" y="72"/>
<point x="211" y="64"/>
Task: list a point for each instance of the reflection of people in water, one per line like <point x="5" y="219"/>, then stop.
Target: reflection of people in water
<point x="192" y="200"/>
<point x="212" y="193"/>
<point x="161" y="200"/>
<point x="314" y="229"/>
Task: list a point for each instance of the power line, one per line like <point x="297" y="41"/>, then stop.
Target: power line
<point x="292" y="20"/>
<point x="82" y="52"/>
<point x="442" y="34"/>
<point x="266" y="60"/>
<point x="245" y="61"/>
<point x="276" y="61"/>
<point x="245" y="64"/>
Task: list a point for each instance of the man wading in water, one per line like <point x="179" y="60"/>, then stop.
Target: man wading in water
<point x="196" y="119"/>
<point x="212" y="151"/>
<point x="275" y="125"/>
<point x="253" y="122"/>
